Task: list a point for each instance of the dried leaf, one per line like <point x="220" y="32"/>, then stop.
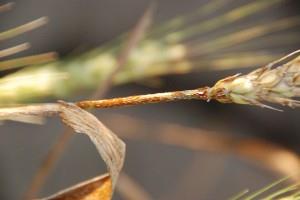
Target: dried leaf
<point x="29" y="114"/>
<point x="94" y="189"/>
<point x="109" y="146"/>
<point x="100" y="188"/>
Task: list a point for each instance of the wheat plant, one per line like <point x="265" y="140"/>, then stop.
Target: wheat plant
<point x="167" y="48"/>
<point x="140" y="56"/>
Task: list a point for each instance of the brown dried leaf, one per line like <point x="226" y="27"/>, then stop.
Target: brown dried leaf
<point x="100" y="188"/>
<point x="109" y="146"/>
<point x="94" y="189"/>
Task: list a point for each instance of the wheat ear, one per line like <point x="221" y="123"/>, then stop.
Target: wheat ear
<point x="269" y="84"/>
<point x="277" y="85"/>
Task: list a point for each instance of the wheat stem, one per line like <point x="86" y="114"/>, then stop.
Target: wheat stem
<point x="200" y="93"/>
<point x="272" y="85"/>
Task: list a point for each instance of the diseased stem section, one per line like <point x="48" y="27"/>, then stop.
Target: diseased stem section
<point x="200" y="94"/>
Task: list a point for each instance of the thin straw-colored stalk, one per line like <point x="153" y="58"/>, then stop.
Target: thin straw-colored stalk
<point x="222" y="20"/>
<point x="29" y="60"/>
<point x="227" y="61"/>
<point x="14" y="50"/>
<point x="261" y="191"/>
<point x="282" y="41"/>
<point x="176" y="23"/>
<point x="239" y="195"/>
<point x="282" y="192"/>
<point x="245" y="35"/>
<point x="23" y="28"/>
<point x="286" y="193"/>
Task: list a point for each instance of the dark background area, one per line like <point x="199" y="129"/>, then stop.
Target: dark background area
<point x="166" y="172"/>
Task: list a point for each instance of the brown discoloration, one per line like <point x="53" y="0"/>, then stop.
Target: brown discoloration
<point x="200" y="93"/>
<point x="95" y="189"/>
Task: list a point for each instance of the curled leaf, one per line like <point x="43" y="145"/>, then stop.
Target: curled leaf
<point x="109" y="146"/>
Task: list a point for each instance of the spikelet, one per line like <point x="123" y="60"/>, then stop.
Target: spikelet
<point x="277" y="85"/>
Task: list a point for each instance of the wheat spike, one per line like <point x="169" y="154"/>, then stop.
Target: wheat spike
<point x="277" y="85"/>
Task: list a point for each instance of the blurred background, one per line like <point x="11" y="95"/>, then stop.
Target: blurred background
<point x="182" y="150"/>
